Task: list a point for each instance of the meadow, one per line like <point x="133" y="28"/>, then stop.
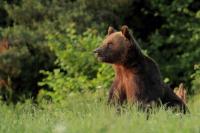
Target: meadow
<point x="89" y="113"/>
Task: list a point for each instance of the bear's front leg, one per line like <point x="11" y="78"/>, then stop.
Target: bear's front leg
<point x="117" y="96"/>
<point x="110" y="96"/>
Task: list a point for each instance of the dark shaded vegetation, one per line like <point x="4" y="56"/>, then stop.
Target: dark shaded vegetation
<point x="57" y="37"/>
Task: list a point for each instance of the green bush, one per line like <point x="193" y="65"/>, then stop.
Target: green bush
<point x="196" y="79"/>
<point x="21" y="63"/>
<point x="78" y="69"/>
<point x="169" y="31"/>
<point x="175" y="45"/>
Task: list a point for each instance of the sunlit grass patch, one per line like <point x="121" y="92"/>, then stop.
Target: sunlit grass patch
<point x="88" y="113"/>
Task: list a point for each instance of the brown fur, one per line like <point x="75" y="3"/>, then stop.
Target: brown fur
<point x="181" y="92"/>
<point x="4" y="45"/>
<point x="137" y="77"/>
<point x="3" y="83"/>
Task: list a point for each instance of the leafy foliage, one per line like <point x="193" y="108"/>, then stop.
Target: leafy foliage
<point x="176" y="44"/>
<point x="168" y="31"/>
<point x="196" y="77"/>
<point x="22" y="61"/>
<point x="78" y="69"/>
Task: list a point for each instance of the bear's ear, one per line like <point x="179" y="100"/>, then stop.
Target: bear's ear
<point x="125" y="31"/>
<point x="111" y="30"/>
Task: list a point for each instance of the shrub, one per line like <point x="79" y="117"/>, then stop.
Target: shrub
<point x="175" y="45"/>
<point x="78" y="69"/>
<point x="22" y="61"/>
<point x="196" y="79"/>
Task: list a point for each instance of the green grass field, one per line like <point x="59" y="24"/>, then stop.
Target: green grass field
<point x="88" y="113"/>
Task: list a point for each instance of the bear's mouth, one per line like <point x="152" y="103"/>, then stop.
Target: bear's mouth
<point x="100" y="57"/>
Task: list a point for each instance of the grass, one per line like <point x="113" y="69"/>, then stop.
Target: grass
<point x="88" y="113"/>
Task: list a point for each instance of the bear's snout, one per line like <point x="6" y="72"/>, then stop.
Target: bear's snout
<point x="100" y="53"/>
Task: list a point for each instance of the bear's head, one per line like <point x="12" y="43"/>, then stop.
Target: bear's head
<point x="117" y="46"/>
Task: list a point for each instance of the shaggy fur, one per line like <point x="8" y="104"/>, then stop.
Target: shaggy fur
<point x="137" y="76"/>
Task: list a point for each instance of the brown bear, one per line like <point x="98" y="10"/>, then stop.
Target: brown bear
<point x="137" y="76"/>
